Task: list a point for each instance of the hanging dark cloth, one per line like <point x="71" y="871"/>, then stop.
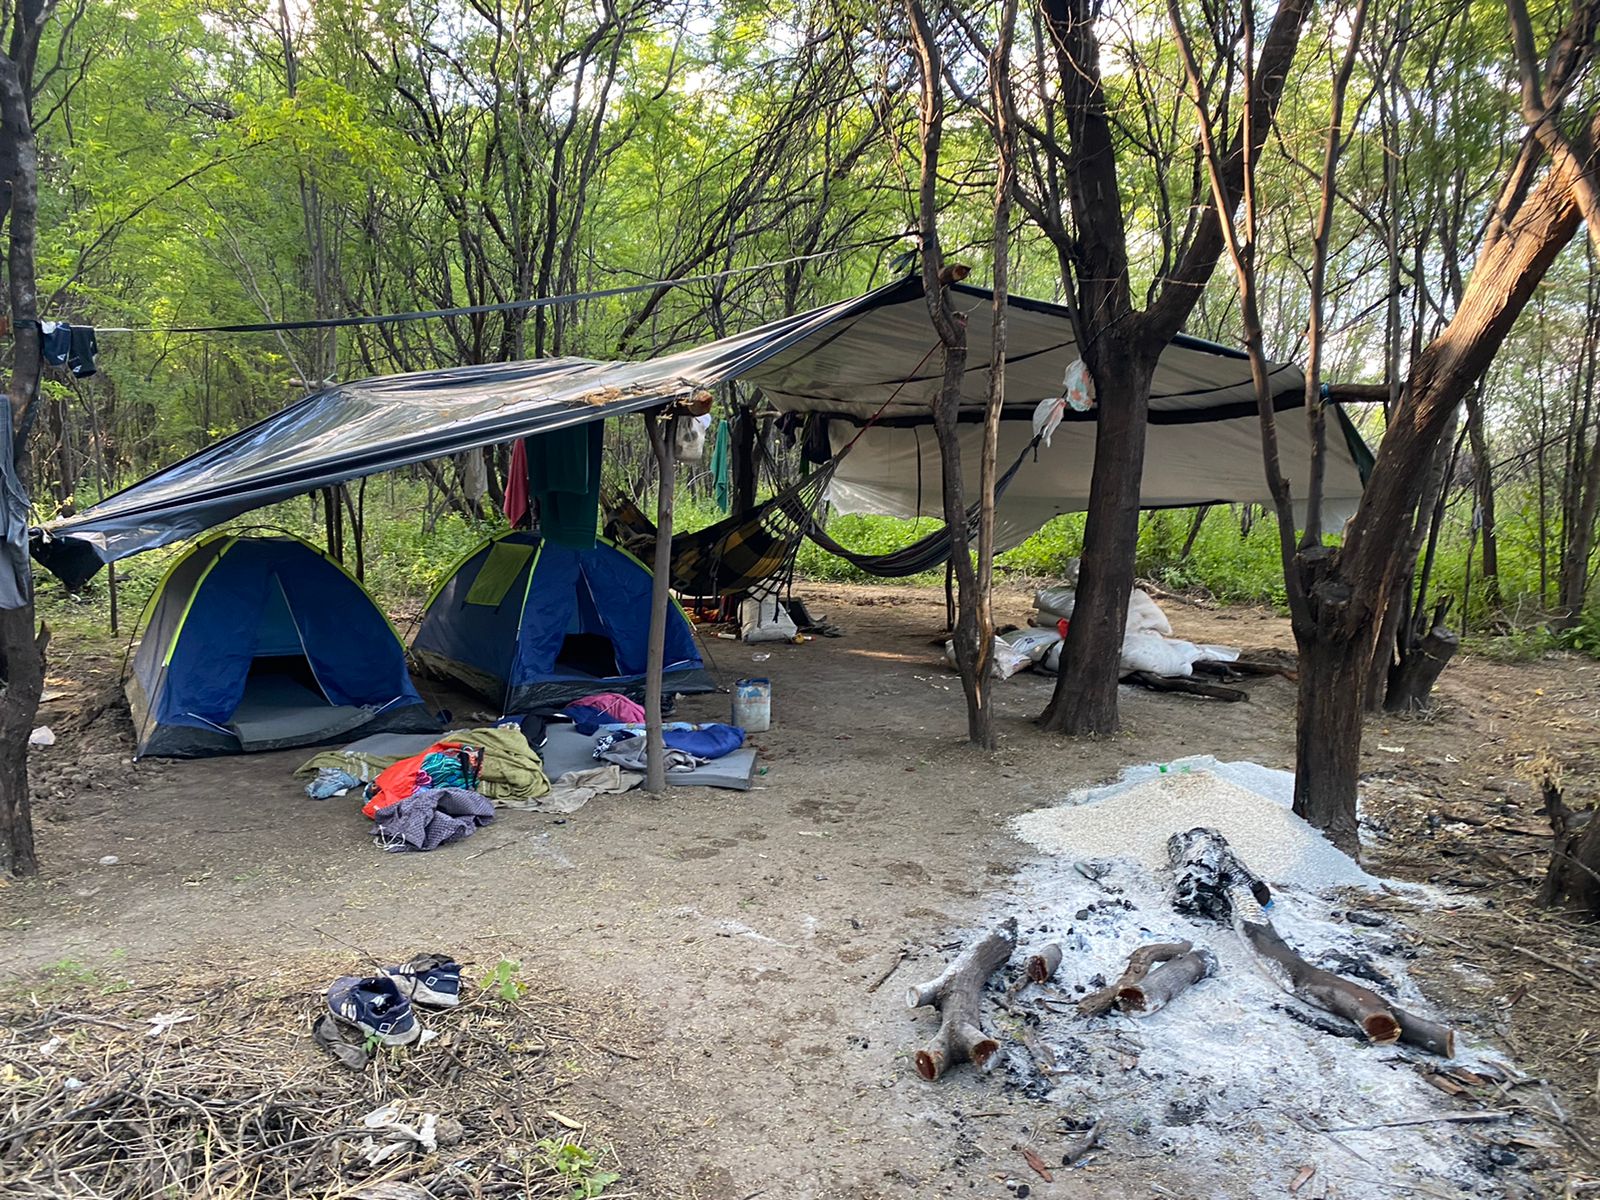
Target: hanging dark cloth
<point x="817" y="448"/>
<point x="71" y="346"/>
<point x="564" y="481"/>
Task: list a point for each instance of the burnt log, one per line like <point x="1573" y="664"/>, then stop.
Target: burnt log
<point x="1140" y="962"/>
<point x="957" y="992"/>
<point x="1166" y="983"/>
<point x="1204" y="868"/>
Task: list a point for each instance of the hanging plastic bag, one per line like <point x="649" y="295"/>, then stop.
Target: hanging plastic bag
<point x="1077" y="387"/>
<point x="688" y="439"/>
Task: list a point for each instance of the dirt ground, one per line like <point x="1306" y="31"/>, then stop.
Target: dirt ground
<point x="728" y="942"/>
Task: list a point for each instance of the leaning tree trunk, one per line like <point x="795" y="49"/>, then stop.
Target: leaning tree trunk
<point x="21" y="649"/>
<point x="1085" y="697"/>
<point x="1353" y="583"/>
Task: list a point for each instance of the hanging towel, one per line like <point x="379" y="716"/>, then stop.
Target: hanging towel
<point x="564" y="477"/>
<point x="516" y="503"/>
<point x="82" y="347"/>
<point x="55" y="342"/>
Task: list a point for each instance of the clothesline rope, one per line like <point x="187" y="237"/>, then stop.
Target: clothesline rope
<point x="476" y="309"/>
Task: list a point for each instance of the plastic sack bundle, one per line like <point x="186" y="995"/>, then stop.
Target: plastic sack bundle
<point x="1005" y="662"/>
<point x="763" y="619"/>
<point x="1035" y="642"/>
<point x="1145" y="615"/>
<point x="1055" y="604"/>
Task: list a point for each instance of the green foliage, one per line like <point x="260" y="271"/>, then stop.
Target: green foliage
<point x="577" y="1167"/>
<point x="505" y="981"/>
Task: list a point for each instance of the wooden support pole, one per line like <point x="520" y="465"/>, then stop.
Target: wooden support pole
<point x="660" y="433"/>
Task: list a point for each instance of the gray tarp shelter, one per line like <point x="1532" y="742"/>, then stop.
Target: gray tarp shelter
<point x="844" y="360"/>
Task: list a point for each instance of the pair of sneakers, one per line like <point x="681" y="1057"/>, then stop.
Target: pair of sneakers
<point x="383" y="1006"/>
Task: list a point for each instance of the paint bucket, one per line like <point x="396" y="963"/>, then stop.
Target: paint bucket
<point x="752" y="705"/>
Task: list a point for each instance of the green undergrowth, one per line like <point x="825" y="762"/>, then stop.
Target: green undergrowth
<point x="1233" y="559"/>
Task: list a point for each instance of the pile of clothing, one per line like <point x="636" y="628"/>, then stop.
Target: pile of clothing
<point x="619" y="722"/>
<point x="439" y="795"/>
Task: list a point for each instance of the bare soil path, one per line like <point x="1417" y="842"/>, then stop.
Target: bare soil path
<point x="728" y="941"/>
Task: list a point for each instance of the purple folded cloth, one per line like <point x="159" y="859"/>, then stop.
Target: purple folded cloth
<point x="431" y="817"/>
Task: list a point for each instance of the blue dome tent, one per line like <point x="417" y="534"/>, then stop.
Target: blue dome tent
<point x="260" y="643"/>
<point x="535" y="625"/>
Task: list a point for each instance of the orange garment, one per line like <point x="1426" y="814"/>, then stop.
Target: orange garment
<point x="394" y="783"/>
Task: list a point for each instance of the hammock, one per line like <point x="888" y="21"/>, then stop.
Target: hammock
<point x="740" y="552"/>
<point x="925" y="553"/>
<point x="737" y="553"/>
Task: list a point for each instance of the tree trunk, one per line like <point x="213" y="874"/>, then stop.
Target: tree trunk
<point x="22" y="673"/>
<point x="742" y="443"/>
<point x="1085" y="697"/>
<point x="1328" y="735"/>
<point x="1355" y="582"/>
<point x="1572" y="589"/>
<point x="973" y="645"/>
<point x="1483" y="487"/>
<point x="21" y="649"/>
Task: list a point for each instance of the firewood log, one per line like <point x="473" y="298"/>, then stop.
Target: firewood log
<point x="957" y="993"/>
<point x="1042" y="966"/>
<point x="1319" y="988"/>
<point x="1166" y="982"/>
<point x="1139" y="963"/>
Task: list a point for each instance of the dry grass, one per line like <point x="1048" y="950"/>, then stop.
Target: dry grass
<point x="97" y="1101"/>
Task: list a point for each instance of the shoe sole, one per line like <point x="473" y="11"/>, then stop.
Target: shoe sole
<point x="427" y="996"/>
<point x="384" y="1039"/>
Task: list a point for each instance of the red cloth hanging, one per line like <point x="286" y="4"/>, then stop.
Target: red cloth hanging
<point x="516" y="502"/>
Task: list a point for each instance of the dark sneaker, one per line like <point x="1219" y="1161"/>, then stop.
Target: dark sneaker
<point x="432" y="980"/>
<point x="375" y="1006"/>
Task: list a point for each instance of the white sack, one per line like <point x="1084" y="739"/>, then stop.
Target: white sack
<point x="763" y="619"/>
<point x="1003" y="663"/>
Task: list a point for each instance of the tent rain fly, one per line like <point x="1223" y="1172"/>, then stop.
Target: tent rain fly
<point x="862" y="361"/>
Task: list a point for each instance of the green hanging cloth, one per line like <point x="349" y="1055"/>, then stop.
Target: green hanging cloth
<point x="722" y="465"/>
<point x="564" y="477"/>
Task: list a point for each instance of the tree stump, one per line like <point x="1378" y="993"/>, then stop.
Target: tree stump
<point x="1574" y="871"/>
<point x="1419" y="665"/>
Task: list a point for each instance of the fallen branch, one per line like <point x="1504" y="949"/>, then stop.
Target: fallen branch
<point x="1322" y="989"/>
<point x="888" y="971"/>
<point x="1082" y="1144"/>
<point x="1100" y="1002"/>
<point x="1184" y="684"/>
<point x="956" y="993"/>
<point x="1167" y="982"/>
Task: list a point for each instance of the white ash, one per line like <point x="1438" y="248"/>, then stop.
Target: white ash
<point x="1222" y="1093"/>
